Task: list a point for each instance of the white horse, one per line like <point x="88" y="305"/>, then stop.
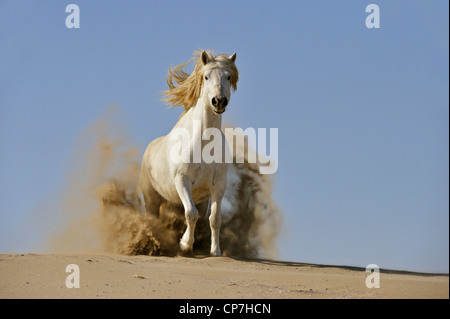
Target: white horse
<point x="205" y="94"/>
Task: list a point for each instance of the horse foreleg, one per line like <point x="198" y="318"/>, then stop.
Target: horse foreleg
<point x="215" y="221"/>
<point x="183" y="186"/>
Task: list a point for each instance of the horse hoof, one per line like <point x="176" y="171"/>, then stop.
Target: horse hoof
<point x="215" y="253"/>
<point x="186" y="250"/>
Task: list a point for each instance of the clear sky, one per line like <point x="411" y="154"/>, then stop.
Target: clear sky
<point x="362" y="114"/>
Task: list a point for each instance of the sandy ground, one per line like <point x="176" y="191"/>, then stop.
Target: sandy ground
<point x="118" y="276"/>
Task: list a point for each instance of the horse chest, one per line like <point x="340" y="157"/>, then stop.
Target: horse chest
<point x="202" y="178"/>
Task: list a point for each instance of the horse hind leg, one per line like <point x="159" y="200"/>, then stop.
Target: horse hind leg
<point x="152" y="199"/>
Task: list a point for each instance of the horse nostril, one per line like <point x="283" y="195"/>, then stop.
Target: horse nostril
<point x="214" y="101"/>
<point x="224" y="102"/>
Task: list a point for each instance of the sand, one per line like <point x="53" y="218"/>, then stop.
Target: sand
<point x="120" y="276"/>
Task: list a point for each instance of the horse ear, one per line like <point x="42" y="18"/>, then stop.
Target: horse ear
<point x="205" y="57"/>
<point x="232" y="57"/>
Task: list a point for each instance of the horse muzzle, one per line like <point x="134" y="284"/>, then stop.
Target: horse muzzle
<point x="219" y="103"/>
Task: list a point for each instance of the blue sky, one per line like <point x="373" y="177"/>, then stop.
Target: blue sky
<point x="362" y="114"/>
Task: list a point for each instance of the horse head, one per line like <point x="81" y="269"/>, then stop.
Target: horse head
<point x="218" y="78"/>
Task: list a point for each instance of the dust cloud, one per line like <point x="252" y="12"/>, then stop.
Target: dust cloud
<point x="102" y="211"/>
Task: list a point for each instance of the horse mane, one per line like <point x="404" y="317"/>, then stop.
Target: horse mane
<point x="188" y="87"/>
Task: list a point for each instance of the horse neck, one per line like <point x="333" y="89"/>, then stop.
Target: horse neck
<point x="201" y="111"/>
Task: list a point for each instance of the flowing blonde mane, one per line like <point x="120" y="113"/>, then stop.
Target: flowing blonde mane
<point x="188" y="87"/>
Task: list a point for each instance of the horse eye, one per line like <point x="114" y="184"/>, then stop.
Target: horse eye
<point x="229" y="77"/>
<point x="206" y="78"/>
